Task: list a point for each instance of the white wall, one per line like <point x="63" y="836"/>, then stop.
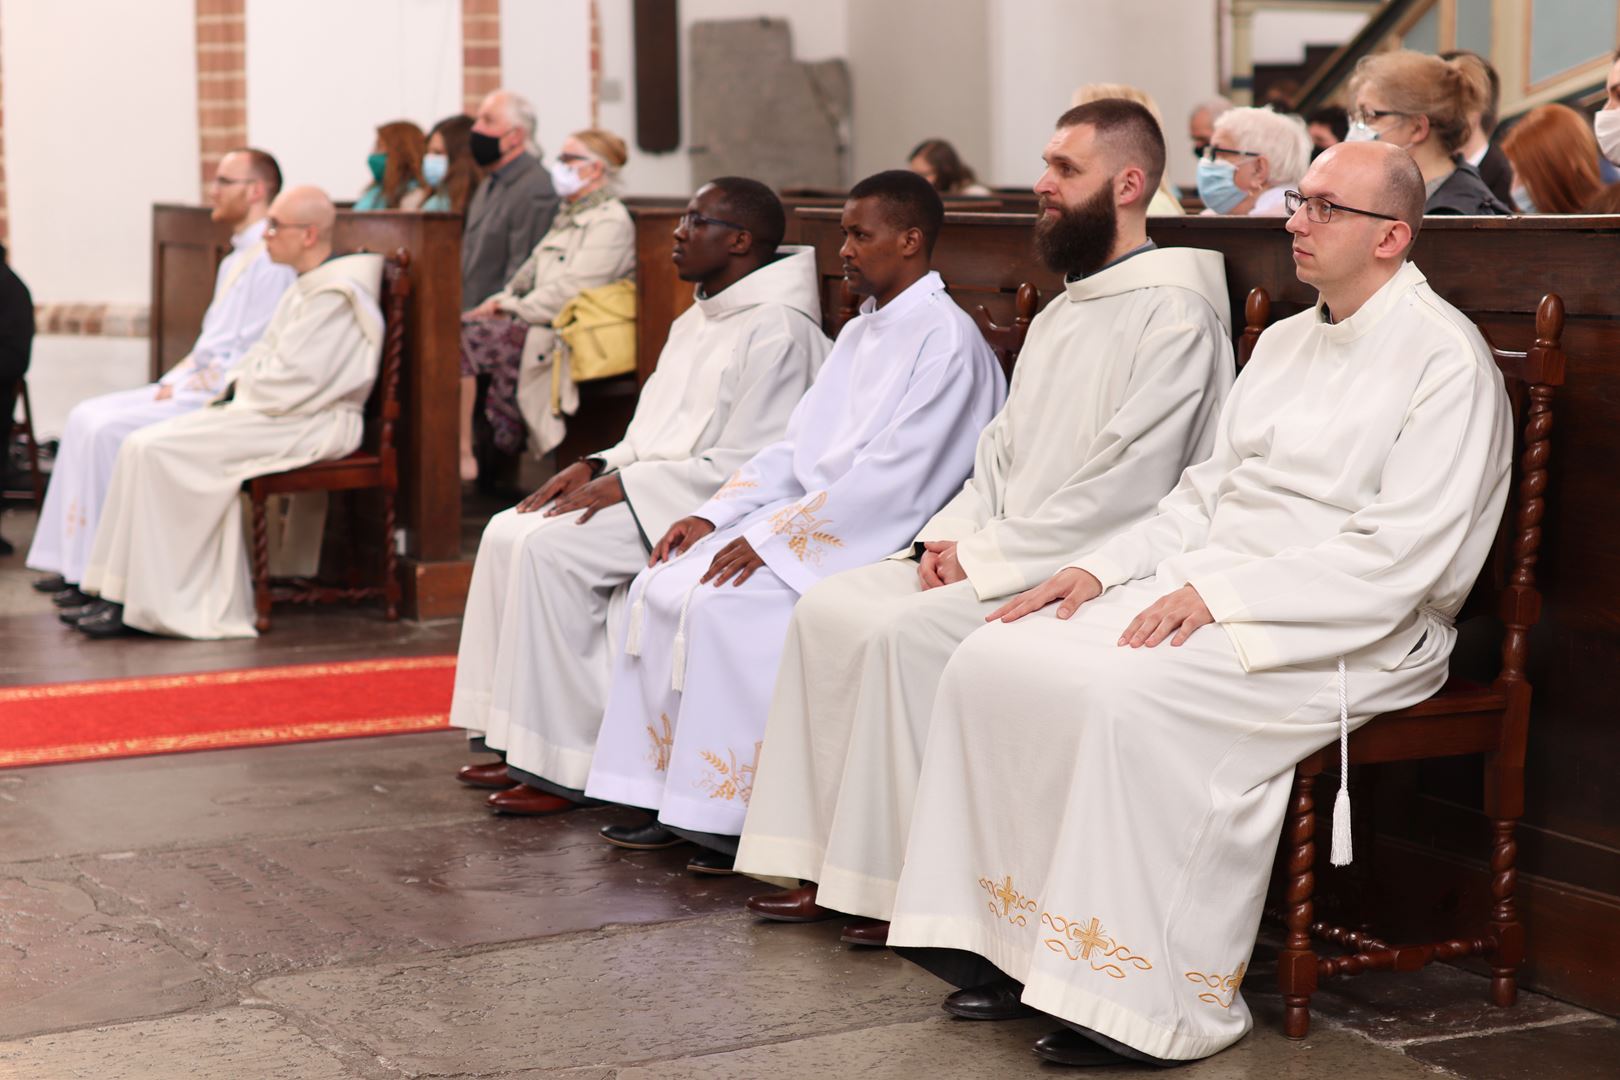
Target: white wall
<point x="322" y="75"/>
<point x="1280" y="36"/>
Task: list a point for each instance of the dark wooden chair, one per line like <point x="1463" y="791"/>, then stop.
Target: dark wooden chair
<point x="36" y="490"/>
<point x="1462" y="718"/>
<point x="374" y="466"/>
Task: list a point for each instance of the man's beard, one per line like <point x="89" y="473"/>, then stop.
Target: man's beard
<point x="1077" y="242"/>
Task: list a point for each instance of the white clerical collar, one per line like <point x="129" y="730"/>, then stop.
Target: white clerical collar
<point x="1372" y="312"/>
<point x="915" y="293"/>
<point x="250" y="235"/>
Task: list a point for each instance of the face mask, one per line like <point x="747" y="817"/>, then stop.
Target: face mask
<point x="1521" y="199"/>
<point x="1360" y="132"/>
<point x="565" y="179"/>
<point x="485" y="149"/>
<point x="434" y="166"/>
<point x="1217" y="186"/>
<point x="1607" y="126"/>
<point x="379" y="165"/>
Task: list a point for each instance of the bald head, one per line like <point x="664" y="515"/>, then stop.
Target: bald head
<point x="1382" y="175"/>
<point x="300" y="234"/>
<point x="309" y="205"/>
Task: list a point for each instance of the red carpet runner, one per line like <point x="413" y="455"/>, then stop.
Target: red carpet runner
<point x="211" y="710"/>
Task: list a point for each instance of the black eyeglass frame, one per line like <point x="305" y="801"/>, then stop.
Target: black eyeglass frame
<point x="1365" y="117"/>
<point x="1293" y="200"/>
<point x="694" y="220"/>
<point x="1210" y="150"/>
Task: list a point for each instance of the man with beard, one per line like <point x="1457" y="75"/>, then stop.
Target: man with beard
<point x="1116" y="391"/>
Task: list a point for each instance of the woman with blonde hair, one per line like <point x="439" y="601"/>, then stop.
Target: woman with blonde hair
<point x="1423" y="104"/>
<point x="1555" y="161"/>
<point x="591" y="242"/>
<point x="396" y="169"/>
<point x="1164" y="200"/>
<point x="1253" y="158"/>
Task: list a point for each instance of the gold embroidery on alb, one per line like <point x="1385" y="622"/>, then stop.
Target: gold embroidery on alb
<point x="799" y="523"/>
<point x="1222" y="988"/>
<point x="1091" y="938"/>
<point x="734" y="485"/>
<point x="661" y="743"/>
<point x="1006" y="901"/>
<point x="735" y="781"/>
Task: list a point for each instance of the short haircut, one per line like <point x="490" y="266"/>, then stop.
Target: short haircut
<point x="263" y="168"/>
<point x="1405" y="190"/>
<point x="520" y="112"/>
<point x="755" y="207"/>
<point x="1332" y="117"/>
<point x="1130" y="129"/>
<point x="1280" y="137"/>
<point x="908" y="202"/>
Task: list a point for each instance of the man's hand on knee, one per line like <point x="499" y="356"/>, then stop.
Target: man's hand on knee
<point x="938" y="565"/>
<point x="569" y="480"/>
<point x="1068" y="588"/>
<point x="681" y="535"/>
<point x="736" y="558"/>
<point x="1180" y="614"/>
<point x="596" y="495"/>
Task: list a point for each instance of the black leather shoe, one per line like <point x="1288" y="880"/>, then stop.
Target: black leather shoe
<point x="1065" y="1047"/>
<point x="992" y="1001"/>
<point x="711" y="862"/>
<point x="106" y="623"/>
<point x="648" y="836"/>
<point x="70" y="597"/>
<point x="51" y="583"/>
<point x="73" y="615"/>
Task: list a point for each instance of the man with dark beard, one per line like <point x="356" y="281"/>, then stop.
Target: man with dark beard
<point x="1116" y="391"/>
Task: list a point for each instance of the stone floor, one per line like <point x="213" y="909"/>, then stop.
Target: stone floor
<point x="345" y="910"/>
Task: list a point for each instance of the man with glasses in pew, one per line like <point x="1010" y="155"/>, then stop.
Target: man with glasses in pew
<point x="1111" y="756"/>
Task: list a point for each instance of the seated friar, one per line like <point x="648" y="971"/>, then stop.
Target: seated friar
<point x="1115" y="392"/>
<point x="1104" y="783"/>
<point x="170" y="555"/>
<point x="550" y="577"/>
<point x="876" y="446"/>
<point x="247" y="289"/>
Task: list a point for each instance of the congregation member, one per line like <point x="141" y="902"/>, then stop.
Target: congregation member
<point x="169" y="555"/>
<point x="513" y="205"/>
<point x="448" y="169"/>
<point x="1327" y="126"/>
<point x="507" y="339"/>
<point x="876" y="446"/>
<point x="1164" y="201"/>
<point x="937" y="162"/>
<point x="1422" y="104"/>
<point x="1479" y="151"/>
<point x="548" y="585"/>
<point x="1116" y="391"/>
<point x="1104" y="785"/>
<point x="1606" y="121"/>
<point x="16" y="349"/>
<point x="1201" y="123"/>
<point x="395" y="163"/>
<point x="1254" y="157"/>
<point x="1554" y="156"/>
<point x="247" y="288"/>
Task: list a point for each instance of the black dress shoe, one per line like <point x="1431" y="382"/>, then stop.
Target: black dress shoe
<point x="106" y="623"/>
<point x="648" y="836"/>
<point x="711" y="862"/>
<point x="91" y="606"/>
<point x="1065" y="1047"/>
<point x="51" y="583"/>
<point x="992" y="1001"/>
<point x="6" y="547"/>
<point x="70" y="597"/>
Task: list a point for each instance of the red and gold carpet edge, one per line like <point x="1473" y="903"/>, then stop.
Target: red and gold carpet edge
<point x="214" y="710"/>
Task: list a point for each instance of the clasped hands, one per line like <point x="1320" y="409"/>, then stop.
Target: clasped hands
<point x="736" y="562"/>
<point x="1175" y="616"/>
<point x="573" y="489"/>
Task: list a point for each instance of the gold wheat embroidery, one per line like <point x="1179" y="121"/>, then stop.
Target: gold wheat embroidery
<point x="1222" y="988"/>
<point x="799" y="522"/>
<point x="1006" y="901"/>
<point x="1091" y="938"/>
<point x="661" y="742"/>
<point x="732" y="780"/>
<point x="734" y="485"/>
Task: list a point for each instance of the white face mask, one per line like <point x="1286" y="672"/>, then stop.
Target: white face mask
<point x="1607" y="126"/>
<point x="1360" y="132"/>
<point x="1521" y="199"/>
<point x="565" y="179"/>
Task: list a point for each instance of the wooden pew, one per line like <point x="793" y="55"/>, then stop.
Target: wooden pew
<point x="186" y="250"/>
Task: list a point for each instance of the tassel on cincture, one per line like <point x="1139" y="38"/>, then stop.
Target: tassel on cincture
<point x="632" y="637"/>
<point x="677" y="671"/>
<point x="1341" y="852"/>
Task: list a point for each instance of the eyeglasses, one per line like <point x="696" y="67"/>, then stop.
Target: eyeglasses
<point x="226" y="181"/>
<point x="1321" y="210"/>
<point x="694" y="220"/>
<point x="272" y="226"/>
<point x="1211" y="150"/>
<point x="1365" y="117"/>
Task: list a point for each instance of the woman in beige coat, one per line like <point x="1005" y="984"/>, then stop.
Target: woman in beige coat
<point x="591" y="242"/>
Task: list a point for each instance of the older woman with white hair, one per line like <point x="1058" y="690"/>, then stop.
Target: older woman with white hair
<point x="1254" y="157"/>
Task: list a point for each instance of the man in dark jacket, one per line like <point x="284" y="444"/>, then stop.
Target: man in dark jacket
<point x="513" y="206"/>
<point x="16" y="344"/>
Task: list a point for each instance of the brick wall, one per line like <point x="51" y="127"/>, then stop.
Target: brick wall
<point x="480" y="50"/>
<point x="221" y="82"/>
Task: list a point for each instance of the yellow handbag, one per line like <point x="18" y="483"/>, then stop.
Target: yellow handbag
<point x="596" y="336"/>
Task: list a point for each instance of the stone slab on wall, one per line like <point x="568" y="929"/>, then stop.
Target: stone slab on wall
<point x="758" y="112"/>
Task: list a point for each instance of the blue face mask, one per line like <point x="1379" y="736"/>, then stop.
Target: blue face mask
<point x="1521" y="199"/>
<point x="1217" y="186"/>
<point x="434" y="166"/>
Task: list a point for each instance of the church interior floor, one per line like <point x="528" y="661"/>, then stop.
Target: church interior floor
<point x="346" y="910"/>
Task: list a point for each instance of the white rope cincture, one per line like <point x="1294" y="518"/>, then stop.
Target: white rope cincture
<point x="638" y="615"/>
<point x="677" y="653"/>
<point x="1341" y="852"/>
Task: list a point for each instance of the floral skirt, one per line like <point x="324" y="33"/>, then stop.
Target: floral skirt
<point x="492" y="347"/>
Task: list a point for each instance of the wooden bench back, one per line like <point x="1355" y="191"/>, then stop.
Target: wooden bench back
<point x="382" y="407"/>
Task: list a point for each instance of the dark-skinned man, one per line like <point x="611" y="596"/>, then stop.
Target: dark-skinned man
<point x="878" y="444"/>
<point x="549" y="581"/>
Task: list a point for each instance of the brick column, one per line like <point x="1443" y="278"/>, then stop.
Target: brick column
<point x="480" y="51"/>
<point x="221" y="82"/>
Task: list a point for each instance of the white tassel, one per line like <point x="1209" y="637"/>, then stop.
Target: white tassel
<point x="677" y="671"/>
<point x="1341" y="852"/>
<point x="632" y="637"/>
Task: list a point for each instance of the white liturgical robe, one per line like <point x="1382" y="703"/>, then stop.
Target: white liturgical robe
<point x="170" y="546"/>
<point x="532" y="671"/>
<point x="1099" y="822"/>
<point x="1117" y="390"/>
<point x="878" y="443"/>
<point x="246" y="291"/>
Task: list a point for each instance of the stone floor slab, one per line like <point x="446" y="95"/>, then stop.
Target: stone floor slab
<point x="624" y="997"/>
<point x="138" y="804"/>
<point x="234" y="1044"/>
<point x="67" y="964"/>
<point x="1580" y="1051"/>
<point x="262" y="907"/>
